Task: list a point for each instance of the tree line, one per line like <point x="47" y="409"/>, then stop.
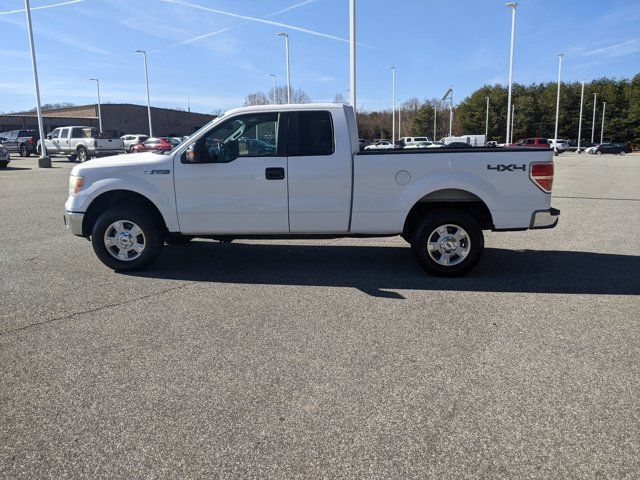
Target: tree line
<point x="534" y="107"/>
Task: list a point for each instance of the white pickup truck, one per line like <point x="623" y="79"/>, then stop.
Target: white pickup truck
<point x="81" y="144"/>
<point x="307" y="180"/>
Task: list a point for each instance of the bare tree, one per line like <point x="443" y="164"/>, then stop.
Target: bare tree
<point x="262" y="98"/>
<point x="339" y="98"/>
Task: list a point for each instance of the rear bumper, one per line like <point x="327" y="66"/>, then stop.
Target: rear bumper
<point x="544" y="218"/>
<point x="73" y="222"/>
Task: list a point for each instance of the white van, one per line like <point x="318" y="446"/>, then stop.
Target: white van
<point x="411" y="141"/>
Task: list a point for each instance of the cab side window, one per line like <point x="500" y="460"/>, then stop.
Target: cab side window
<point x="310" y="134"/>
<point x="55" y="133"/>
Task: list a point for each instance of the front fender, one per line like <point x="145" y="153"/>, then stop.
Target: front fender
<point x="156" y="189"/>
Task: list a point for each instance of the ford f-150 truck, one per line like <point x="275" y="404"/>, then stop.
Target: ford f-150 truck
<point x="81" y="143"/>
<point x="312" y="183"/>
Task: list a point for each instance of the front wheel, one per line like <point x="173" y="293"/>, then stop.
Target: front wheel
<point x="126" y="239"/>
<point x="623" y="152"/>
<point x="598" y="152"/>
<point x="448" y="243"/>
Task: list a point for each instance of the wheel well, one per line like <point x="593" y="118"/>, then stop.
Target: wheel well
<point x="449" y="198"/>
<point x="119" y="197"/>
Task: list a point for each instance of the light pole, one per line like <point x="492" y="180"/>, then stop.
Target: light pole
<point x="604" y="109"/>
<point x="486" y="123"/>
<point x="99" y="111"/>
<point x="593" y="122"/>
<point x="555" y="137"/>
<point x="399" y="119"/>
<point x="449" y="95"/>
<point x="393" y="103"/>
<point x="513" y="6"/>
<point x="286" y="48"/>
<point x="352" y="53"/>
<point x="44" y="161"/>
<point x="580" y="120"/>
<point x="146" y="79"/>
<point x="435" y="117"/>
<point x="513" y="116"/>
<point x="274" y="87"/>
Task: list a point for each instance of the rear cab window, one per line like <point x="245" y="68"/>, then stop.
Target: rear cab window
<point x="311" y="133"/>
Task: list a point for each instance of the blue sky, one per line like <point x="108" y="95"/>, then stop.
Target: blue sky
<point x="217" y="54"/>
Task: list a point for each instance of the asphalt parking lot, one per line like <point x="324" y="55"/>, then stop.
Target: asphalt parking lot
<point x="332" y="358"/>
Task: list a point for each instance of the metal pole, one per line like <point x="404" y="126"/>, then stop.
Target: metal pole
<point x="146" y="79"/>
<point x="604" y="108"/>
<point x="286" y="48"/>
<point x="555" y="137"/>
<point x="580" y="121"/>
<point x="44" y="161"/>
<point x="513" y="116"/>
<point x="352" y="53"/>
<point x="451" y="111"/>
<point x="435" y="117"/>
<point x="274" y="87"/>
<point x="400" y="120"/>
<point x="99" y="111"/>
<point x="486" y="123"/>
<point x="513" y="6"/>
<point x="593" y="122"/>
<point x="393" y="105"/>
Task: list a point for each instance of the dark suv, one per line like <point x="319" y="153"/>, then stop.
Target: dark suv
<point x="23" y="142"/>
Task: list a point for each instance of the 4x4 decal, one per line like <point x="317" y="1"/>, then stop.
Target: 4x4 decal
<point x="507" y="168"/>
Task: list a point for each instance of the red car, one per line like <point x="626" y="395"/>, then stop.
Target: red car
<point x="155" y="144"/>
<point x="532" y="143"/>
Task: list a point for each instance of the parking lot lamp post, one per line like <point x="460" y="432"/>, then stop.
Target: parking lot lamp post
<point x="352" y="53"/>
<point x="286" y="48"/>
<point x="399" y="120"/>
<point x="449" y="95"/>
<point x="273" y="75"/>
<point x="44" y="161"/>
<point x="146" y="79"/>
<point x="99" y="111"/>
<point x="513" y="116"/>
<point x="393" y="105"/>
<point x="486" y="123"/>
<point x="513" y="6"/>
<point x="593" y="122"/>
<point x="604" y="109"/>
<point x="435" y="117"/>
<point x="580" y="120"/>
<point x="555" y="137"/>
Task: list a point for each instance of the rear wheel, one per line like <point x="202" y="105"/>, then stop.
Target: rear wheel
<point x="448" y="243"/>
<point x="23" y="151"/>
<point x="622" y="152"/>
<point x="126" y="240"/>
<point x="598" y="152"/>
<point x="81" y="154"/>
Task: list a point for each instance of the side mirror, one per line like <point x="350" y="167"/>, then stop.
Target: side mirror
<point x="199" y="152"/>
<point x="49" y="136"/>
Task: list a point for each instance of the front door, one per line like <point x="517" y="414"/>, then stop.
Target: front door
<point x="53" y="145"/>
<point x="234" y="179"/>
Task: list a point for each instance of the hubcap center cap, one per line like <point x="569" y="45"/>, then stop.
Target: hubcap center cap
<point x="448" y="245"/>
<point x="125" y="240"/>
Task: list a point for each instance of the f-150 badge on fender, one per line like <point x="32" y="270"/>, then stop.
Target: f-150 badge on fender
<point x="507" y="168"/>
<point x="157" y="172"/>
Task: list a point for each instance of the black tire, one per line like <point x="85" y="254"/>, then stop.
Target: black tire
<point x="23" y="152"/>
<point x="3" y="165"/>
<point x="598" y="152"/>
<point x="472" y="242"/>
<point x="177" y="239"/>
<point x="82" y="155"/>
<point x="153" y="238"/>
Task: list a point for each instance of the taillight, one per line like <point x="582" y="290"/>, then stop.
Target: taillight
<point x="30" y="140"/>
<point x="541" y="174"/>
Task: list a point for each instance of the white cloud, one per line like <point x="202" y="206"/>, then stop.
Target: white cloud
<point x="70" y="2"/>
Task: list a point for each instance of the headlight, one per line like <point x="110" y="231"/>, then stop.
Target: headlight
<point x="75" y="184"/>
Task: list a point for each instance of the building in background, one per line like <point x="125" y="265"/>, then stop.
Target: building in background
<point x="117" y="119"/>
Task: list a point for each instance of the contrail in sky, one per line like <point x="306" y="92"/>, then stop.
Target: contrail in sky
<point x="70" y="2"/>
<point x="258" y="20"/>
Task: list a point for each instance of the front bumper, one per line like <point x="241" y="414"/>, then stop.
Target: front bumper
<point x="73" y="222"/>
<point x="545" y="218"/>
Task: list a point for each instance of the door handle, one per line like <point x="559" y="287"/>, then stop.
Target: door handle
<point x="274" y="173"/>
